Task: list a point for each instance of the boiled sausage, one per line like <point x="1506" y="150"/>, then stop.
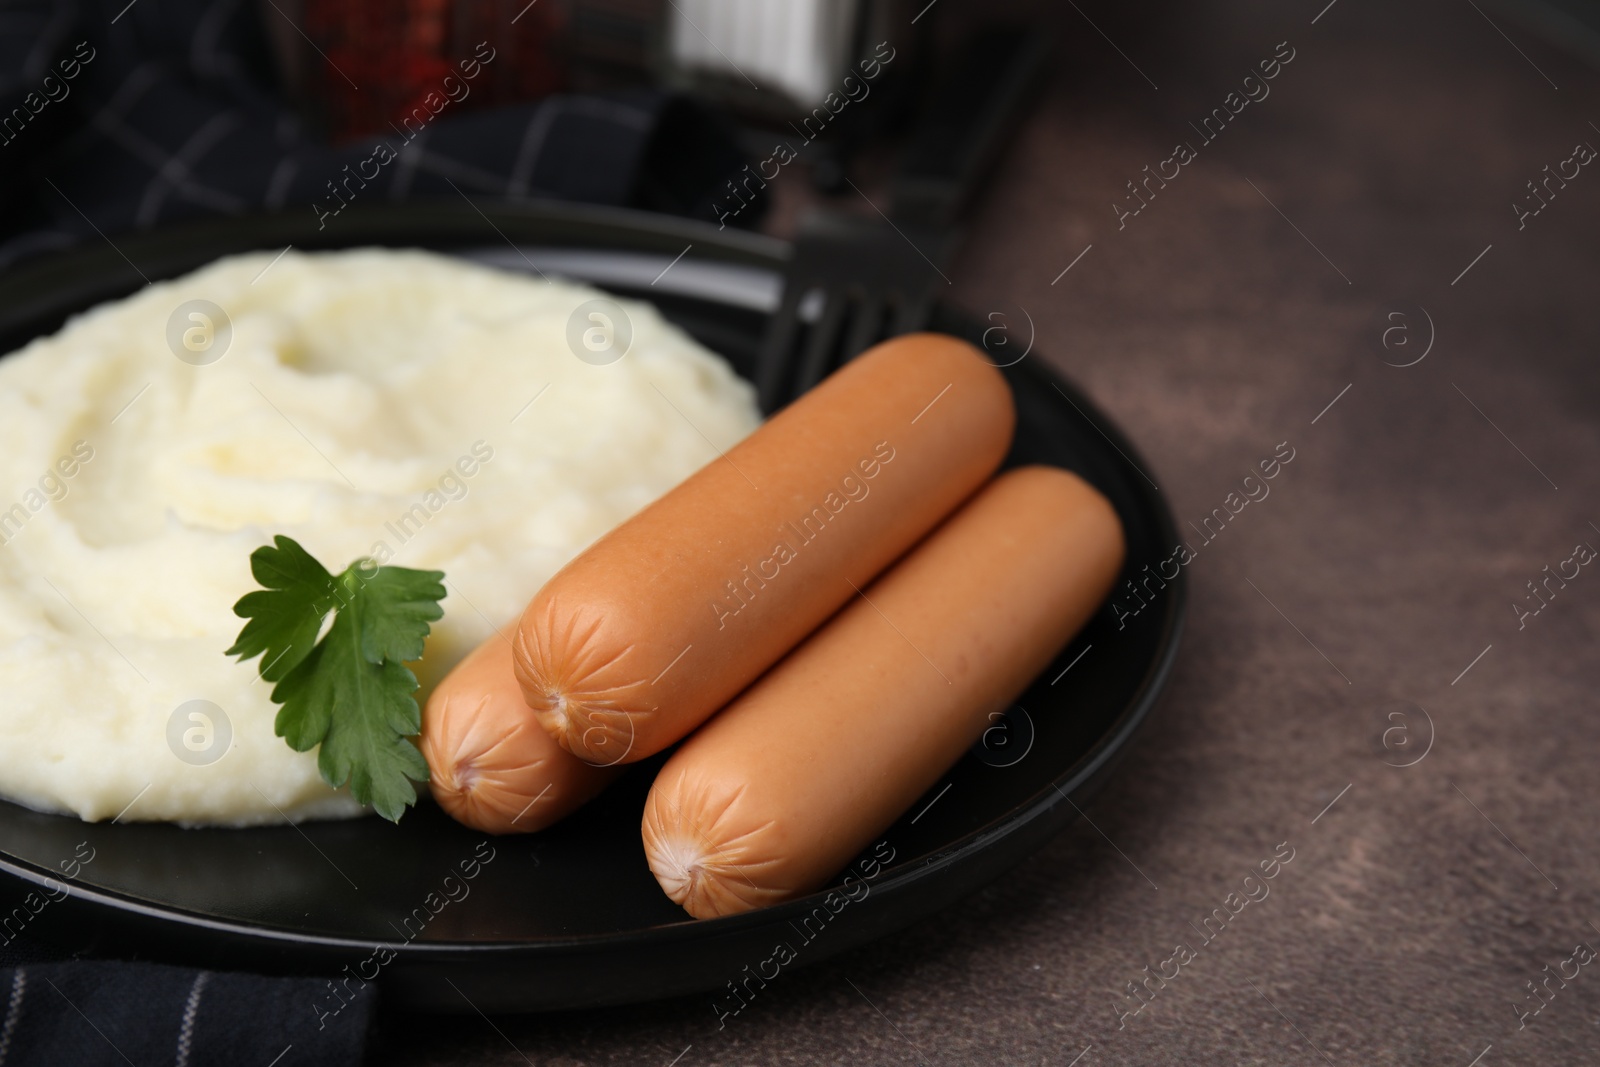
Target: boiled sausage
<point x="664" y="619"/>
<point x="774" y="796"/>
<point x="489" y="764"/>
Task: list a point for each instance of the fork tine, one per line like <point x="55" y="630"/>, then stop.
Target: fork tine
<point x="822" y="346"/>
<point x="912" y="314"/>
<point x="865" y="330"/>
<point x="779" y="346"/>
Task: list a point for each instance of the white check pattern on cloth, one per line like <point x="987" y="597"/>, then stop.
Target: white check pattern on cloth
<point x="176" y="117"/>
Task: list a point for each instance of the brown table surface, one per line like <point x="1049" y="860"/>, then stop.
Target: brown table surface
<point x="1244" y="307"/>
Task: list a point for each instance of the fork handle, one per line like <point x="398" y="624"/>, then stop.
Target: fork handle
<point x="973" y="111"/>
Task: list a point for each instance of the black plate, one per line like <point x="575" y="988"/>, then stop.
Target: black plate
<point x="571" y="916"/>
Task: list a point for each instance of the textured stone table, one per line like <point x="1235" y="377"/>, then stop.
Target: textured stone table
<point x="1359" y="618"/>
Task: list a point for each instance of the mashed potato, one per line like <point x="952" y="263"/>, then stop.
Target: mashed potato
<point x="400" y="405"/>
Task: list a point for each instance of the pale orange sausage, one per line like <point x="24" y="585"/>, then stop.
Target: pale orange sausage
<point x="774" y="796"/>
<point x="489" y="764"/>
<point x="659" y="623"/>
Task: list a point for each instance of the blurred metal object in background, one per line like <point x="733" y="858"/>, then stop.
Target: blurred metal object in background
<point x="777" y="58"/>
<point x="798" y="47"/>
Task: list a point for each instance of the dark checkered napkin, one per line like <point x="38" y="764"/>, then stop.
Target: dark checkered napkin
<point x="118" y="116"/>
<point x="112" y="1014"/>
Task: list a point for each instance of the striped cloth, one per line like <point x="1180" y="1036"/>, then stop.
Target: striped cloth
<point x="117" y="116"/>
<point x="113" y="1014"/>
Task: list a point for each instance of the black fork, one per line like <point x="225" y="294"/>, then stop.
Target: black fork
<point x="863" y="283"/>
<point x="866" y="279"/>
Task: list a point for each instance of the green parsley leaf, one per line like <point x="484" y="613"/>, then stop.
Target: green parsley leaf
<point x="400" y="603"/>
<point x="350" y="692"/>
<point x="360" y="712"/>
<point x="287" y="614"/>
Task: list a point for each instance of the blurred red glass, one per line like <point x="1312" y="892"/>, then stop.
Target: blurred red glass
<point x="371" y="62"/>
